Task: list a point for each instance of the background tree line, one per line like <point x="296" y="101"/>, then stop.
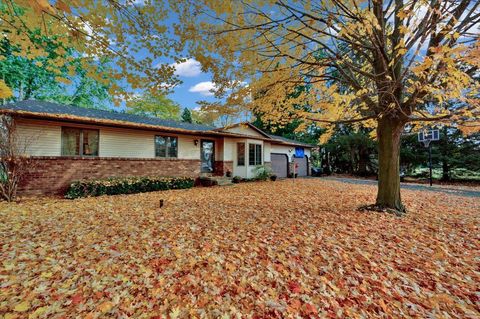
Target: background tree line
<point x="45" y="78"/>
<point x="352" y="150"/>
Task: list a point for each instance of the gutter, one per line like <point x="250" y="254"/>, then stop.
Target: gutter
<point x="67" y="118"/>
<point x="114" y="123"/>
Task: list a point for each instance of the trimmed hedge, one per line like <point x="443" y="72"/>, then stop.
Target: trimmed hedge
<point x="207" y="181"/>
<point x="126" y="185"/>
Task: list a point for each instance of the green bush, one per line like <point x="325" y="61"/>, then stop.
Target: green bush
<point x="207" y="181"/>
<point x="262" y="172"/>
<point x="236" y="179"/>
<point x="126" y="185"/>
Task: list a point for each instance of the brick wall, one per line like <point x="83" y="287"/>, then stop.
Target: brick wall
<point x="52" y="175"/>
<point x="221" y="167"/>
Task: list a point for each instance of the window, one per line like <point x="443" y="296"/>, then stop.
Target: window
<point x="79" y="142"/>
<point x="166" y="146"/>
<point x="254" y="154"/>
<point x="240" y="154"/>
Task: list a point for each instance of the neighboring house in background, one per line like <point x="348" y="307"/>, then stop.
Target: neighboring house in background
<point x="73" y="143"/>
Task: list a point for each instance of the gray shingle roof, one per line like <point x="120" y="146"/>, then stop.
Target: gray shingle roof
<point x="55" y="108"/>
<point x="287" y="140"/>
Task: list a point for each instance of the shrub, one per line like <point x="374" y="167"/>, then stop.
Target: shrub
<point x="273" y="177"/>
<point x="14" y="162"/>
<point x="236" y="179"/>
<point x="207" y="181"/>
<point x="262" y="172"/>
<point x="126" y="185"/>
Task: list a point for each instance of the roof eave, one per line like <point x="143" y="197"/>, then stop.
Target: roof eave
<point x="246" y="124"/>
<point x="275" y="141"/>
<point x="124" y="124"/>
<point x="113" y="123"/>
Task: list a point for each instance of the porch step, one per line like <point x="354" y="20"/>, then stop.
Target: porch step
<point x="220" y="180"/>
<point x="223" y="181"/>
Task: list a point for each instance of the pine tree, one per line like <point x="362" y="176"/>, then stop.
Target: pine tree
<point x="187" y="116"/>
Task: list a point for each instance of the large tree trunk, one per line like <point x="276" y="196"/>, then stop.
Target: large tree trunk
<point x="445" y="170"/>
<point x="388" y="133"/>
<point x="362" y="161"/>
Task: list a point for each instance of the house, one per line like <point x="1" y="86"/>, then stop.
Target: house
<point x="69" y="143"/>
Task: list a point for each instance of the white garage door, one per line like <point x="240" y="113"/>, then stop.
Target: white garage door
<point x="302" y="169"/>
<point x="280" y="165"/>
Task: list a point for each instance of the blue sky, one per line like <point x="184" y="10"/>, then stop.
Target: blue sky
<point x="196" y="85"/>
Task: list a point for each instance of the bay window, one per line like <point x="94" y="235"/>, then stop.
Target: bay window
<point x="254" y="154"/>
<point x="240" y="154"/>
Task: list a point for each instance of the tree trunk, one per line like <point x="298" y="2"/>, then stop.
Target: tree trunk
<point x="352" y="161"/>
<point x="445" y="170"/>
<point x="362" y="161"/>
<point x="388" y="133"/>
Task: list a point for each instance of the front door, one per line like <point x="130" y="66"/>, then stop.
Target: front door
<point x="207" y="156"/>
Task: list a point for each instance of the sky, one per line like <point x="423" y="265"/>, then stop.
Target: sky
<point x="196" y="85"/>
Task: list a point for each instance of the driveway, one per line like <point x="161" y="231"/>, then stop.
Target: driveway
<point x="452" y="190"/>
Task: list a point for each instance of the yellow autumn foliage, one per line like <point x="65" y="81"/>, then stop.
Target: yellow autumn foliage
<point x="5" y="91"/>
<point x="330" y="62"/>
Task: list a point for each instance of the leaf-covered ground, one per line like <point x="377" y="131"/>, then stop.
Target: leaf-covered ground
<point x="255" y="250"/>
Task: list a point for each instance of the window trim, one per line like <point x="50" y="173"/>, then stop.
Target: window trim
<point x="166" y="146"/>
<point x="80" y="146"/>
<point x="244" y="151"/>
<point x="255" y="154"/>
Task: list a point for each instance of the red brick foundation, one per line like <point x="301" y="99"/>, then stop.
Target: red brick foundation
<point x="52" y="175"/>
<point x="221" y="167"/>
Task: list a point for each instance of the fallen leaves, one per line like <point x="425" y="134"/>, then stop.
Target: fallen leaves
<point x="105" y="306"/>
<point x="22" y="307"/>
<point x="261" y="250"/>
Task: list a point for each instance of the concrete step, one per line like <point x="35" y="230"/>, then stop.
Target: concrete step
<point x="222" y="181"/>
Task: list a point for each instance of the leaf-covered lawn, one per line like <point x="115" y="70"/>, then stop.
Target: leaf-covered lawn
<point x="255" y="250"/>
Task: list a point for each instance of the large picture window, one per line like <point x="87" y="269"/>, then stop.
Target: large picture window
<point x="166" y="146"/>
<point x="254" y="154"/>
<point x="240" y="154"/>
<point x="79" y="142"/>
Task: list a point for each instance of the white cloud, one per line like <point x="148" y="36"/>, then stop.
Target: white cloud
<point x="168" y="86"/>
<point x="136" y="2"/>
<point x="189" y="68"/>
<point x="204" y="88"/>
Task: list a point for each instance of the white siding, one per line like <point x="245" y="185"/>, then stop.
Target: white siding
<point x="39" y="140"/>
<point x="245" y="130"/>
<point x="187" y="148"/>
<point x="141" y="144"/>
<point x="126" y="143"/>
<point x="283" y="149"/>
<point x="45" y="139"/>
<point x="229" y="150"/>
<point x="267" y="151"/>
<point x="286" y="149"/>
